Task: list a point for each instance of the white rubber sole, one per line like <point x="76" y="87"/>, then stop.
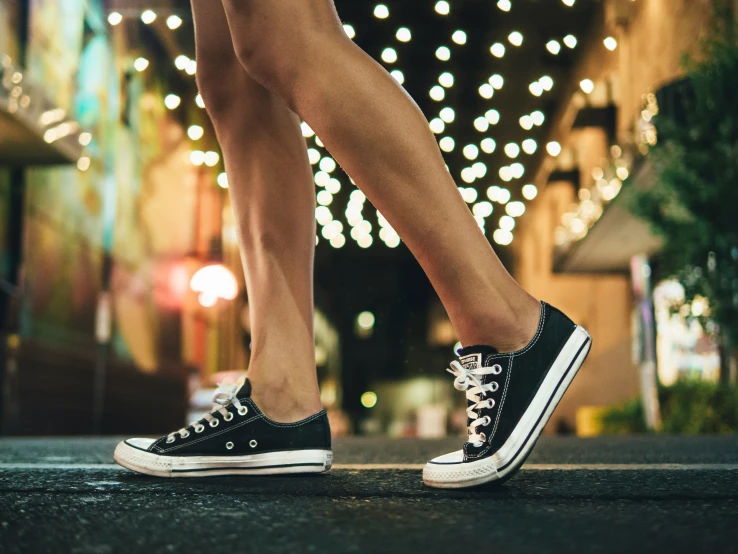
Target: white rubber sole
<point x="508" y="459"/>
<point x="269" y="463"/>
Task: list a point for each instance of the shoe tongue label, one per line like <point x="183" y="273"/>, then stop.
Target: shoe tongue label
<point x="472" y="361"/>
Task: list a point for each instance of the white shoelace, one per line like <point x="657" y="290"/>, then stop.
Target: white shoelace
<point x="469" y="380"/>
<point x="224" y="396"/>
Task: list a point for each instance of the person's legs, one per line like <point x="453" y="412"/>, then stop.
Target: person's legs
<point x="273" y="198"/>
<point x="298" y="50"/>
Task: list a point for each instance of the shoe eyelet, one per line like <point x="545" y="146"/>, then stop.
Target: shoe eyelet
<point x="215" y="423"/>
<point x="185" y="434"/>
<point x="229" y="445"/>
<point x="170" y="440"/>
<point x="199" y="428"/>
<point x="492" y="403"/>
<point x="483" y="437"/>
<point x="496" y="369"/>
<point x="493" y="386"/>
<point x="488" y="420"/>
<point x="243" y="410"/>
<point x="252" y="443"/>
<point x="228" y="417"/>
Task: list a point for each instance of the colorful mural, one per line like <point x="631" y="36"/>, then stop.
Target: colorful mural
<point x="134" y="205"/>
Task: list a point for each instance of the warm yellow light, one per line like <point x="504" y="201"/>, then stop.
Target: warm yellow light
<point x="446" y="79"/>
<point x="570" y="41"/>
<point x="83" y="164"/>
<point x="486" y="91"/>
<point x="85" y="138"/>
<point x="140" y="64"/>
<point x="447" y="144"/>
<point x="222" y="180"/>
<point x="515" y="38"/>
<point x="502" y="237"/>
<point x="398" y="76"/>
<point x="148" y="16"/>
<point x="403" y="34"/>
<point x="529" y="146"/>
<point x="211" y="158"/>
<point x="529" y="192"/>
<point x="114" y="18"/>
<point x="586" y="85"/>
<point x="496" y="81"/>
<point x="471" y="152"/>
<point x="535" y="88"/>
<point x="512" y="150"/>
<point x="481" y="124"/>
<point x="488" y="145"/>
<point x="504" y="5"/>
<point x="553" y="46"/>
<point x="369" y="399"/>
<point x="507" y="223"/>
<point x="437" y="93"/>
<point x="611" y="43"/>
<point x="459" y="37"/>
<point x="195" y="132"/>
<point x="174" y="22"/>
<point x="349" y="30"/>
<point x="448" y="115"/>
<point x="553" y="148"/>
<point x="443" y="53"/>
<point x="215" y="281"/>
<point x="437" y="125"/>
<point x="171" y="101"/>
<point x="381" y="11"/>
<point x="389" y="55"/>
<point x="493" y="116"/>
<point x="497" y="50"/>
<point x="197" y="157"/>
<point x="443" y="7"/>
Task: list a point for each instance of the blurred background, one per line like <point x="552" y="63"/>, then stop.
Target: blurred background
<point x="595" y="142"/>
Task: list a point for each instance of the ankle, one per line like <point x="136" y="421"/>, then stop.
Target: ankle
<point x="507" y="330"/>
<point x="283" y="402"/>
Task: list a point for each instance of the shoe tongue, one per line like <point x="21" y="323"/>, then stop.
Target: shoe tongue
<point x="472" y="357"/>
<point x="245" y="390"/>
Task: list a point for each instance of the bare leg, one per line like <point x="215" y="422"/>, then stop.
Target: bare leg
<point x="297" y="49"/>
<point x="273" y="198"/>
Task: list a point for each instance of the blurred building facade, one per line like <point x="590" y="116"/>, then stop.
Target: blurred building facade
<point x="581" y="247"/>
<point x="113" y="196"/>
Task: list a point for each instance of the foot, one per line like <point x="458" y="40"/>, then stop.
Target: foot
<point x="236" y="438"/>
<point x="511" y="397"/>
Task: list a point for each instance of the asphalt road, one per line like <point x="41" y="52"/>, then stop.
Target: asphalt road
<point x="619" y="495"/>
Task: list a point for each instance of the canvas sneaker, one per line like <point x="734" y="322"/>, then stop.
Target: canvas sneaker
<point x="236" y="438"/>
<point x="510" y="397"/>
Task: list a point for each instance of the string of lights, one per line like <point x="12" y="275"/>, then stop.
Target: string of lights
<point x="478" y="154"/>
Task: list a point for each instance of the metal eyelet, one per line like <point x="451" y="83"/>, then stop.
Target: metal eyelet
<point x="483" y="437"/>
<point x="170" y="440"/>
<point x="493" y="386"/>
<point x="496" y="369"/>
<point x="228" y="416"/>
<point x="229" y="445"/>
<point x="488" y="420"/>
<point x="199" y="428"/>
<point x="187" y="434"/>
<point x="492" y="403"/>
<point x="215" y="423"/>
<point x="243" y="410"/>
<point x="252" y="443"/>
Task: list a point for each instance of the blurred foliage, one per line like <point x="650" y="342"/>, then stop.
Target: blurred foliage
<point x="693" y="203"/>
<point x="689" y="407"/>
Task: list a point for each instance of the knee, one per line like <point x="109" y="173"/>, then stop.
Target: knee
<point x="279" y="52"/>
<point x="218" y="83"/>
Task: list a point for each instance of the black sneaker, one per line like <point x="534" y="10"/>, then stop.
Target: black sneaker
<point x="511" y="397"/>
<point x="234" y="439"/>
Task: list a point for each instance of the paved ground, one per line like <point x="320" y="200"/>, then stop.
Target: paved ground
<point x="620" y="495"/>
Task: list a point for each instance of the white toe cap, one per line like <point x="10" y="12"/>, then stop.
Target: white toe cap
<point x="143" y="444"/>
<point x="450" y="458"/>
